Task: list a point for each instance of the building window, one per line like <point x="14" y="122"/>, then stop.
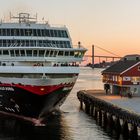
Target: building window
<point x="138" y="68"/>
<point x="137" y="58"/>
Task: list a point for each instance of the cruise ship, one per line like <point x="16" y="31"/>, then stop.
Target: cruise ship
<point x="38" y="66"/>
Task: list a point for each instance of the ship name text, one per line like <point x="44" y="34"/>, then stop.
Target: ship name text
<point x="7" y="88"/>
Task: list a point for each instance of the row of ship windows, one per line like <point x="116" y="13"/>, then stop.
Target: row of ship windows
<point x="39" y="75"/>
<point x="40" y="53"/>
<point x="41" y="43"/>
<point x="33" y="32"/>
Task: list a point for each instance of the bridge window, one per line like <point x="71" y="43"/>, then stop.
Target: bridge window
<point x="51" y="53"/>
<point x="8" y="42"/>
<point x="47" y="53"/>
<point x="76" y="54"/>
<point x="39" y="32"/>
<point x="28" y="32"/>
<point x="41" y="53"/>
<point x="55" y="53"/>
<point x="5" y="52"/>
<point x="34" y="32"/>
<point x="59" y="33"/>
<point x="22" y="52"/>
<point x="80" y="54"/>
<point x="17" y="32"/>
<point x="64" y="34"/>
<point x="29" y="52"/>
<point x="4" y="32"/>
<point x="0" y="42"/>
<point x="27" y="43"/>
<point x="8" y="32"/>
<point x="68" y="44"/>
<point x="71" y="53"/>
<point x="12" y="53"/>
<point x="34" y="52"/>
<point x="22" y="31"/>
<point x="17" y="53"/>
<point x="60" y="53"/>
<point x="43" y="32"/>
<point x="47" y="33"/>
<point x="51" y="33"/>
<point x="55" y="33"/>
<point x="12" y="32"/>
<point x="4" y="43"/>
<point x="66" y="53"/>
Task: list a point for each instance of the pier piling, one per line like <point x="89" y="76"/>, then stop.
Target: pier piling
<point x="106" y="113"/>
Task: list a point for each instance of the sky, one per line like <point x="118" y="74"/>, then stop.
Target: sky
<point x="110" y="24"/>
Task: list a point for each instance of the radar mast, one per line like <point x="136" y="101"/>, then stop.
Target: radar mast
<point x="25" y="18"/>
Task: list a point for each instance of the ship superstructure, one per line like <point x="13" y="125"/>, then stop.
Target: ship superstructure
<point x="38" y="66"/>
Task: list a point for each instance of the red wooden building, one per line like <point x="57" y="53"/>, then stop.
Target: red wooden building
<point x="124" y="76"/>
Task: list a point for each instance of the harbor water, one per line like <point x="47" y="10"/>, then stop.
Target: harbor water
<point x="70" y="124"/>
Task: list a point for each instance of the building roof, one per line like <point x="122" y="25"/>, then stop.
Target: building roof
<point x="120" y="66"/>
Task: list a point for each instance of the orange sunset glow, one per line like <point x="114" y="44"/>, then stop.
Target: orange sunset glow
<point x="112" y="25"/>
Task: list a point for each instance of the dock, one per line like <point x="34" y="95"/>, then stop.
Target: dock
<point x="123" y="113"/>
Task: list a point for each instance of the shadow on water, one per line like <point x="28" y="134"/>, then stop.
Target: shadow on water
<point x="13" y="129"/>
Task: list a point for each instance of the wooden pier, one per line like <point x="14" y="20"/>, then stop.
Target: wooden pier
<point x="121" y="113"/>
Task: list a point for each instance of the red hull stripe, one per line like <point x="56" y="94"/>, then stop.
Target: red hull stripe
<point x="39" y="90"/>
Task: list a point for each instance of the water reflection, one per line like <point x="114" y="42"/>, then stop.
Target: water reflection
<point x="55" y="129"/>
<point x="70" y="124"/>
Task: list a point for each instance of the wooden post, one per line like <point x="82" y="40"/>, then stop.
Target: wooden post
<point x="105" y="120"/>
<point x="111" y="121"/>
<point x="100" y="117"/>
<point x="81" y="104"/>
<point x="95" y="113"/>
<point x="91" y="110"/>
<point x="125" y="130"/>
<point x="134" y="132"/>
<point x="118" y="127"/>
<point x="87" y="107"/>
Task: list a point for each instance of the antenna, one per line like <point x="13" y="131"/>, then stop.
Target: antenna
<point x="25" y="18"/>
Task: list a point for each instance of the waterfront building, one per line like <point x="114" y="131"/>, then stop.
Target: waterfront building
<point x="124" y="76"/>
